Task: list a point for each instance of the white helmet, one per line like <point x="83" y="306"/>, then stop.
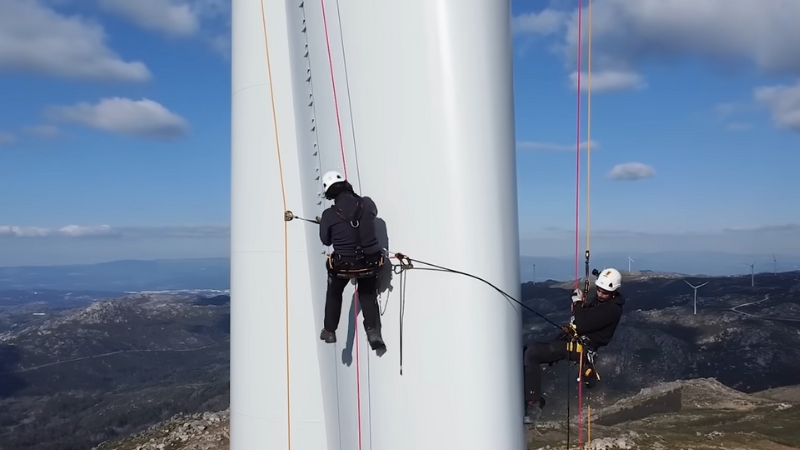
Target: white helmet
<point x="609" y="280"/>
<point x="330" y="178"/>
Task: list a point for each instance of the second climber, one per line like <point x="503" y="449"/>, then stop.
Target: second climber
<point x="349" y="226"/>
<point x="596" y="320"/>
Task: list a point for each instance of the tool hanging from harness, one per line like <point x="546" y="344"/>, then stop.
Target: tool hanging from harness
<point x="360" y="265"/>
<point x="588" y="356"/>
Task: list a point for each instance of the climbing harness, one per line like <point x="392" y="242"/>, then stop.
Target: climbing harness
<point x="353" y="267"/>
<point x="580" y="344"/>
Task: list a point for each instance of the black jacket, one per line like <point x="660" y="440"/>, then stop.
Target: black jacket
<point x="598" y="320"/>
<point x="335" y="225"/>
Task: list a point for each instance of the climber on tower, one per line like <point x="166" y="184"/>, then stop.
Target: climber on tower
<point x="349" y="226"/>
<point x="595" y="323"/>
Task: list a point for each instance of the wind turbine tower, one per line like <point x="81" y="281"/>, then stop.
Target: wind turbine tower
<point x="695" y="292"/>
<point x="534" y="274"/>
<point x="630" y="260"/>
<point x="775" y="262"/>
<point x="752" y="274"/>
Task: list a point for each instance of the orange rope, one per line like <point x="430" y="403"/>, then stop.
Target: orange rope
<point x="589" y="138"/>
<point x="285" y="229"/>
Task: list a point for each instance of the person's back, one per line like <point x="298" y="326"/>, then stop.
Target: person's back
<point x="349" y="224"/>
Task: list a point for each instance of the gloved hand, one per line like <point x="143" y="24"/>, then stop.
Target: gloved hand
<point x="577" y="296"/>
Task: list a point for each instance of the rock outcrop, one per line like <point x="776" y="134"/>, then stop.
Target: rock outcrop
<point x="206" y="431"/>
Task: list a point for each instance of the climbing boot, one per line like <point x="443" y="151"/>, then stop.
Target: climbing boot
<point x="533" y="411"/>
<point x="327" y="336"/>
<point x="375" y="339"/>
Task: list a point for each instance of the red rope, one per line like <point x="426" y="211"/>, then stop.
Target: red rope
<point x="333" y="83"/>
<point x="577" y="213"/>
<point x="578" y="145"/>
<point x="344" y="166"/>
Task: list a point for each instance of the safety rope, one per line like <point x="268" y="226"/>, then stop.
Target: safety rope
<point x="577" y="198"/>
<point x="344" y="167"/>
<point x="578" y="145"/>
<point x="285" y="229"/>
<point x="588" y="213"/>
<point x="588" y="221"/>
<point x="589" y="140"/>
<point x="407" y="263"/>
<point x="349" y="98"/>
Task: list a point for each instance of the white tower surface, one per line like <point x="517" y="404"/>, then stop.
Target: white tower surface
<point x="413" y="101"/>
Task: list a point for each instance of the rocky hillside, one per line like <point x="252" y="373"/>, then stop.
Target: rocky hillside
<point x="206" y="431"/>
<point x="691" y="414"/>
<point x="81" y="376"/>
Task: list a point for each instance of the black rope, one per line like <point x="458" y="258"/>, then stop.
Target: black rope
<point x="569" y="398"/>
<point x="347" y="86"/>
<point x="447" y="269"/>
<point x="403" y="279"/>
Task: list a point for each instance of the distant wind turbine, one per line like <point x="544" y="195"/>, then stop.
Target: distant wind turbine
<point x="775" y="261"/>
<point x="630" y="260"/>
<point x="695" y="292"/>
<point x="534" y="274"/>
<point x="752" y="274"/>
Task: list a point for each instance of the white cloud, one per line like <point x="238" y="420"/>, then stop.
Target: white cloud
<point x="608" y="80"/>
<point x="35" y="38"/>
<point x="221" y="44"/>
<point x="186" y="231"/>
<point x="82" y="231"/>
<point x="144" y="118"/>
<point x="725" y="110"/>
<point x="44" y="131"/>
<point x="739" y="126"/>
<point x="209" y="19"/>
<point x="626" y="32"/>
<point x="212" y="8"/>
<point x="170" y="16"/>
<point x="783" y="103"/>
<point x="67" y="231"/>
<point x="532" y="145"/>
<point x="6" y="138"/>
<point x="631" y="171"/>
<point x="546" y="22"/>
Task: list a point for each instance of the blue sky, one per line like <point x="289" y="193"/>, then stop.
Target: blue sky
<point x="112" y="149"/>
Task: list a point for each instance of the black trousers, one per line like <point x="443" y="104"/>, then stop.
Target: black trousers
<point x="367" y="302"/>
<point x="540" y="353"/>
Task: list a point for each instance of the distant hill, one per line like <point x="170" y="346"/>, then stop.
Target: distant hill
<point x="689" y="263"/>
<point x="111" y="368"/>
<point x="214" y="273"/>
<point x="122" y="276"/>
